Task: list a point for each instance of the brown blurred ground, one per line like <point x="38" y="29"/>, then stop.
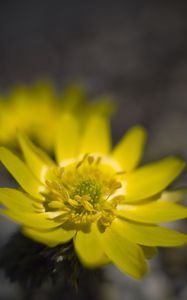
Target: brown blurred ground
<point x="133" y="50"/>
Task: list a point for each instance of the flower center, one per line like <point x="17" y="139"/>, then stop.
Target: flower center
<point x="90" y="187"/>
<point x="84" y="191"/>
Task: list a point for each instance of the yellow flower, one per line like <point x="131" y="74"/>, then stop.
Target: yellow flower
<point x="36" y="110"/>
<point x="29" y="109"/>
<point x="95" y="196"/>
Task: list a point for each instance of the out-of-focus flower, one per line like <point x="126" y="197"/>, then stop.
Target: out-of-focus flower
<point x="36" y="110"/>
<point x="94" y="195"/>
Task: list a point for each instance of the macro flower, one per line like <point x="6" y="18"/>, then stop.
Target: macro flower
<point x="95" y="196"/>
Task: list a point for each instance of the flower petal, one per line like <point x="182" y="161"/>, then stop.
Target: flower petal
<point x="68" y="136"/>
<point x="49" y="238"/>
<point x="33" y="220"/>
<point x="96" y="137"/>
<point x="150" y="235"/>
<point x="89" y="250"/>
<point x="153" y="212"/>
<point x="130" y="149"/>
<point x="21" y="173"/>
<point x="15" y="200"/>
<point x="152" y="179"/>
<point x="73" y="98"/>
<point x="125" y="254"/>
<point x="38" y="162"/>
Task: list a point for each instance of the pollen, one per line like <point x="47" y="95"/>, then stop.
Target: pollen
<point x="83" y="192"/>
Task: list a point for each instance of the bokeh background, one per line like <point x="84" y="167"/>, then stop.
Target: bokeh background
<point x="135" y="51"/>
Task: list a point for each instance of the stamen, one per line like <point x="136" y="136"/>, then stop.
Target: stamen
<point x="98" y="160"/>
<point x="83" y="192"/>
<point x="55" y="204"/>
<point x="73" y="203"/>
<point x="90" y="159"/>
<point x="58" y="172"/>
<point x="81" y="161"/>
<point x="38" y="207"/>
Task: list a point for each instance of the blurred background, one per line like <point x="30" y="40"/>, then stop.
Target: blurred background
<point x="135" y="51"/>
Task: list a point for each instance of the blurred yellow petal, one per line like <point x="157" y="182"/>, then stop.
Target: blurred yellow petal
<point x="21" y="173"/>
<point x="38" y="162"/>
<point x="130" y="149"/>
<point x="15" y="200"/>
<point x="125" y="254"/>
<point x="96" y="137"/>
<point x="153" y="212"/>
<point x="73" y="98"/>
<point x="33" y="220"/>
<point x="68" y="137"/>
<point x="89" y="250"/>
<point x="152" y="178"/>
<point x="104" y="105"/>
<point x="174" y="196"/>
<point x="50" y="238"/>
<point x="149" y="235"/>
